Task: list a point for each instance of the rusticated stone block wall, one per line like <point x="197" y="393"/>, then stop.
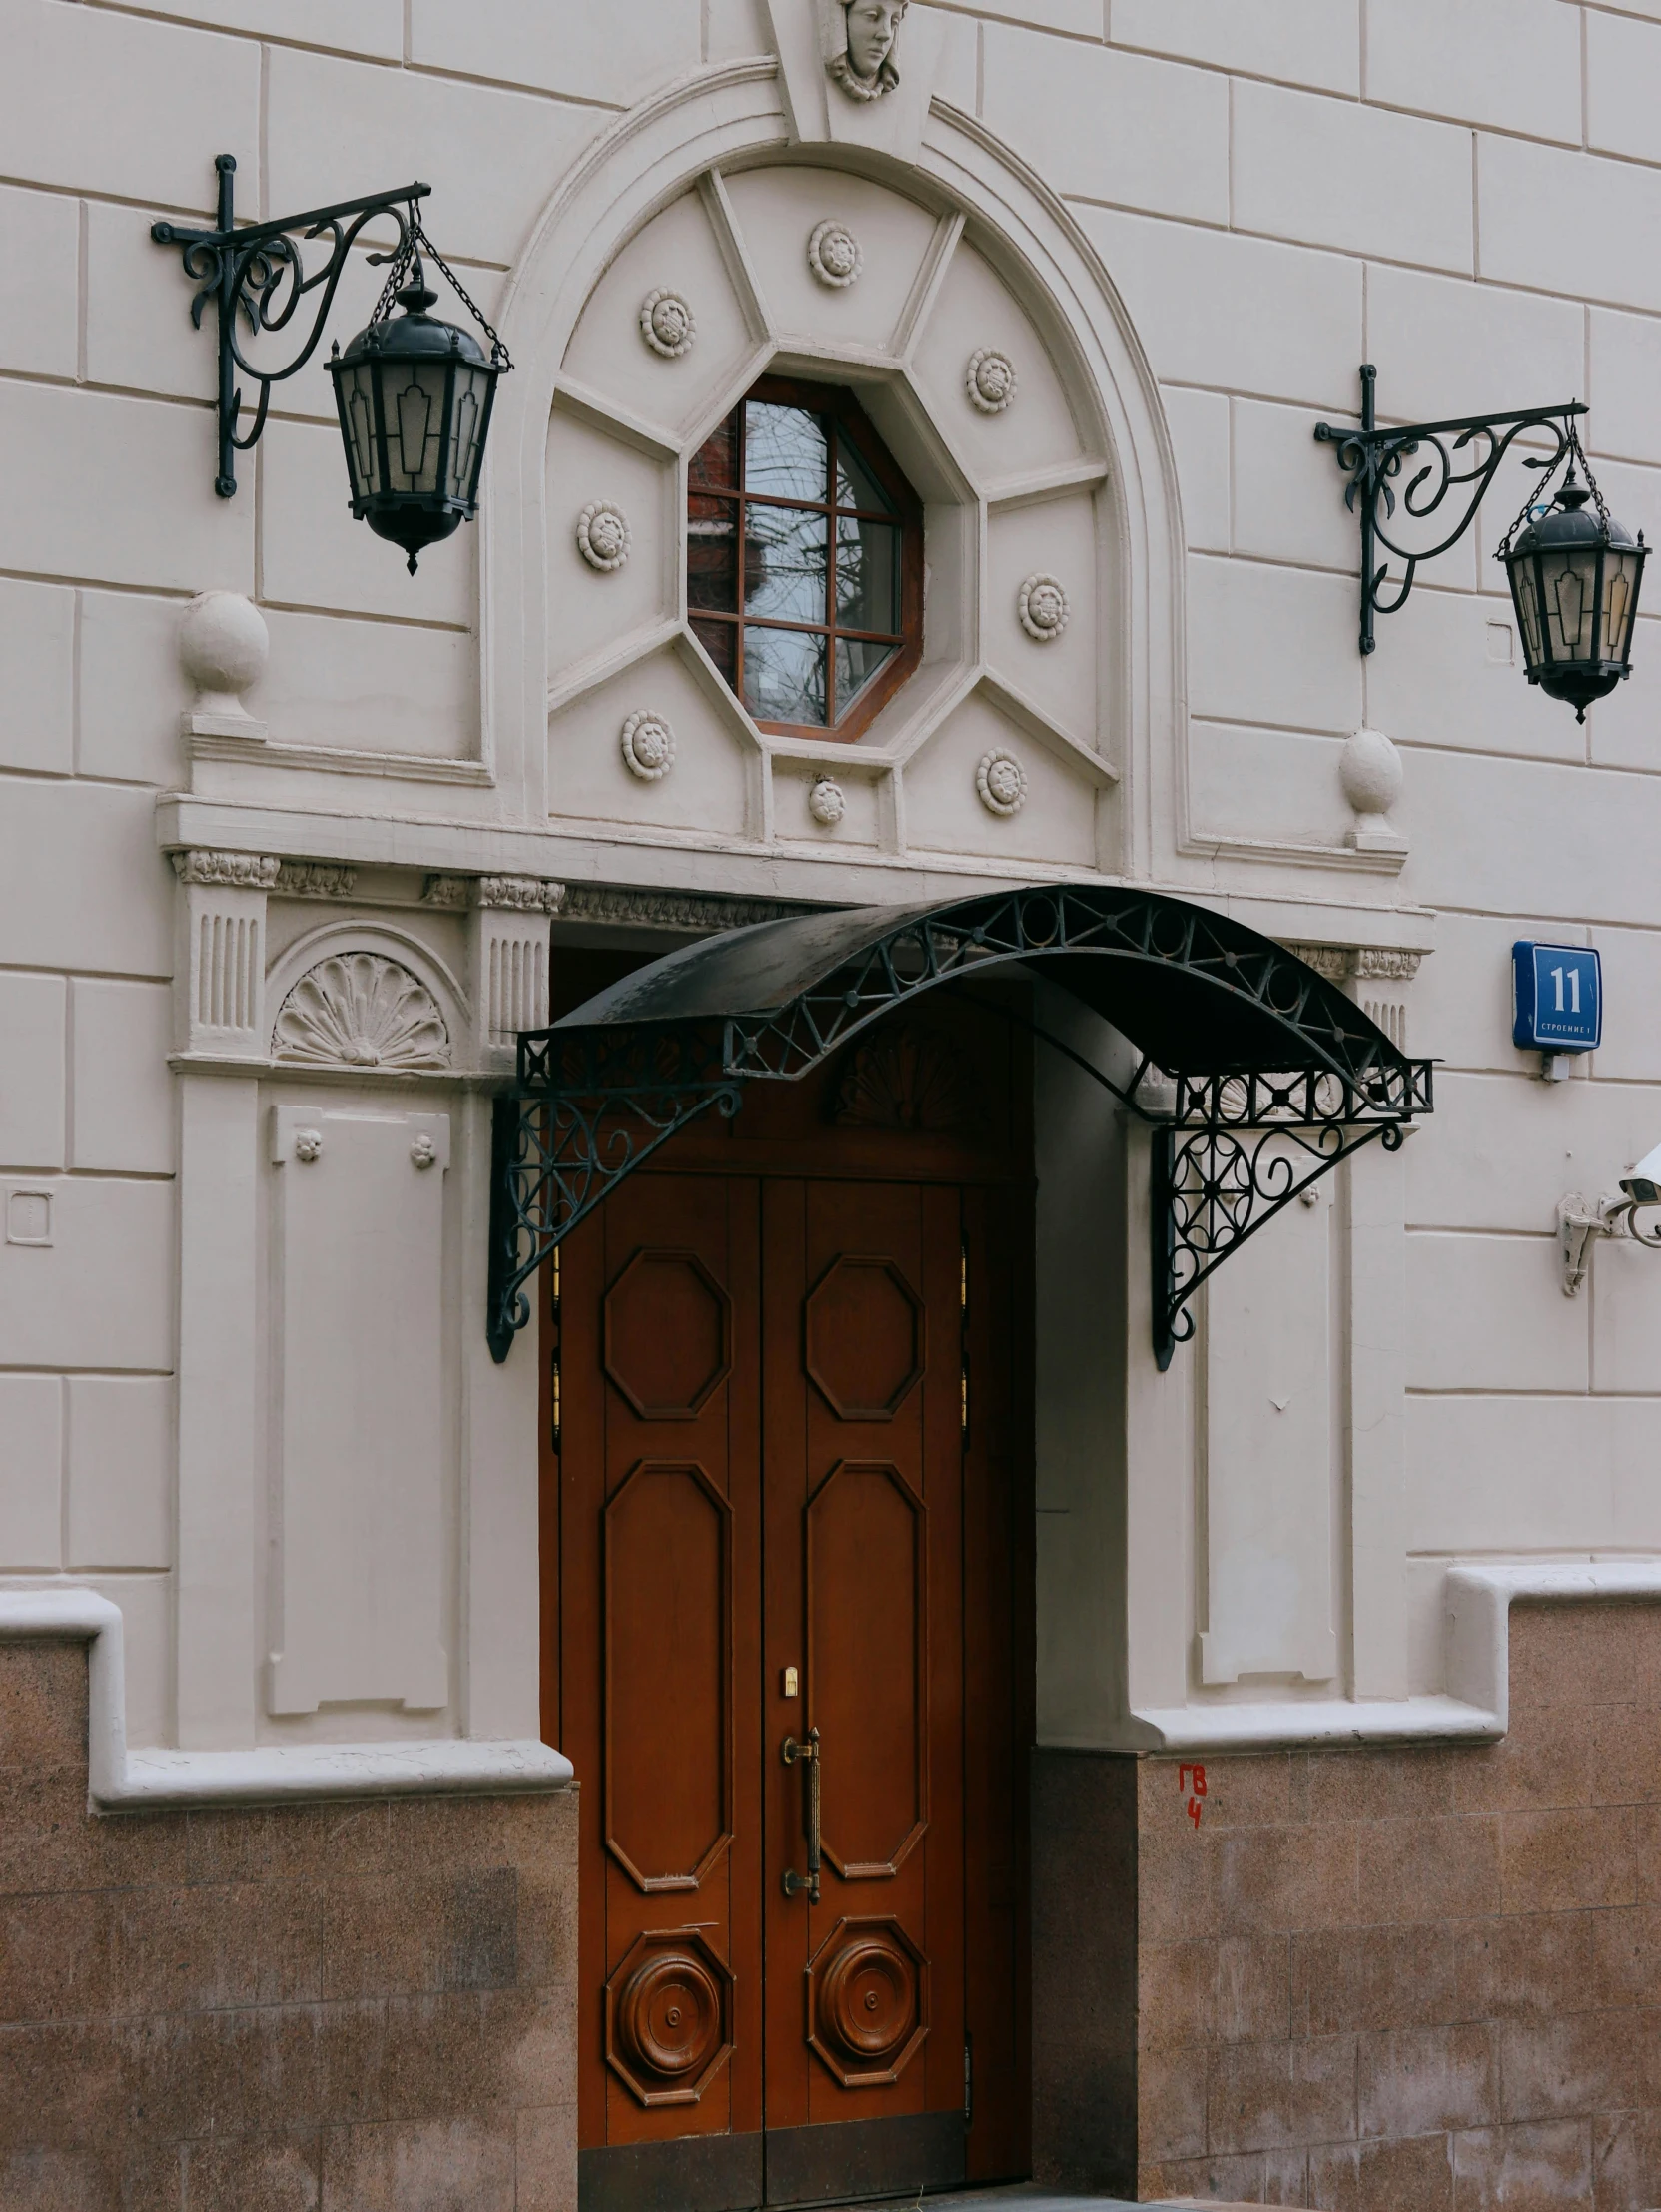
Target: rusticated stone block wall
<point x="1389" y="1980"/>
<point x="364" y="2007"/>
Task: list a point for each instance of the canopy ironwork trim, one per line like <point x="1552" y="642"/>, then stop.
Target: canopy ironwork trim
<point x="1256" y="1074"/>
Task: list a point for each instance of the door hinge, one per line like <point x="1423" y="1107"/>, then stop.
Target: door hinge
<point x="968" y="2081"/>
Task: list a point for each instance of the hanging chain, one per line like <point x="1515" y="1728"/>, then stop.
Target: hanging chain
<point x="1591" y="481"/>
<point x="406" y="257"/>
<point x="1536" y="503"/>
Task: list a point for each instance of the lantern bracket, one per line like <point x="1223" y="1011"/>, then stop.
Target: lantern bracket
<point x="1464" y="457"/>
<point x="258" y="272"/>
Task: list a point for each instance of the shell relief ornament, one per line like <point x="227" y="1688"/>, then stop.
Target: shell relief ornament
<point x="834" y="254"/>
<point x="1043" y="609"/>
<point x="602" y="535"/>
<point x="356" y="1009"/>
<point x="1002" y="783"/>
<point x="860" y="40"/>
<point x="990" y="379"/>
<point x="667" y="323"/>
<point x="648" y="747"/>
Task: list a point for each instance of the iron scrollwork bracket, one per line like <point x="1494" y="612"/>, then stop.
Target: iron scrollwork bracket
<point x="580" y="1118"/>
<point x="1462" y="459"/>
<point x="258" y="272"/>
<point x="1238" y="1150"/>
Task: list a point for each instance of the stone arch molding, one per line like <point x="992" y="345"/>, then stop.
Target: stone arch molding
<point x="1118" y="744"/>
<point x="365" y="997"/>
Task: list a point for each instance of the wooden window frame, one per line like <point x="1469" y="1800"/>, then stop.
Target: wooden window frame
<point x="839" y="405"/>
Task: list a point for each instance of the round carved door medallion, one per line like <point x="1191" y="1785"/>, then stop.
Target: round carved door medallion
<point x="667" y="2019"/>
<point x="870" y="2002"/>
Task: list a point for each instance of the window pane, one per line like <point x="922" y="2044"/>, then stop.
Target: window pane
<point x="712" y="554"/>
<point x="855" y="484"/>
<point x="856" y="663"/>
<point x="784" y="675"/>
<point x="715" y="465"/>
<point x="720" y="641"/>
<point x="787" y="457"/>
<point x="867" y="576"/>
<point x="785" y="556"/>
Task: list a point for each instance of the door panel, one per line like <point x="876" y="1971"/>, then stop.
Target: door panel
<point x="659" y="1527"/>
<point x="861" y="1333"/>
<point x="867" y="1572"/>
<point x="668" y="1675"/>
<point x="768" y="1398"/>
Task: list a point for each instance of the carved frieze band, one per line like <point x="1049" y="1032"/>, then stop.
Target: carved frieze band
<point x="669" y="909"/>
<point x="523" y="894"/>
<point x="315" y="879"/>
<point x="1360" y="963"/>
<point x="291" y="879"/>
<point x="227" y="871"/>
<point x="517" y="894"/>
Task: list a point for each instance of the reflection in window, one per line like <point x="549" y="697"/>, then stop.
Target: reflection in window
<point x="804" y="559"/>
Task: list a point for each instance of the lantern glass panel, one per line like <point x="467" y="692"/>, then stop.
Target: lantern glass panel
<point x="1620" y="599"/>
<point x="358" y="415"/>
<point x="1570" y="582"/>
<point x="412" y="393"/>
<point x="472" y="388"/>
<point x="1525" y="591"/>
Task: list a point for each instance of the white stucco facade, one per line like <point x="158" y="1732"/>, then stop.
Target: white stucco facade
<point x="305" y="1485"/>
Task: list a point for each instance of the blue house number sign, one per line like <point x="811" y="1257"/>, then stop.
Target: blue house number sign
<point x="1557" y="998"/>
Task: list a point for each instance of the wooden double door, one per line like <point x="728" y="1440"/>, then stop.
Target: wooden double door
<point x="786" y="1649"/>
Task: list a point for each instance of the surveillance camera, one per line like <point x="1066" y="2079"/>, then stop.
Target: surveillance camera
<point x="1642" y="1184"/>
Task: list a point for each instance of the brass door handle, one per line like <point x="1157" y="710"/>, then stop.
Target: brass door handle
<point x="812" y="1760"/>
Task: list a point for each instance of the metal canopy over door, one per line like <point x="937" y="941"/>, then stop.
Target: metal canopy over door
<point x="1274" y="1075"/>
<point x="784" y="1603"/>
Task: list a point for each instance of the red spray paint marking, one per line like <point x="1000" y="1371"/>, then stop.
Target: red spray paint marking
<point x="1194" y="1795"/>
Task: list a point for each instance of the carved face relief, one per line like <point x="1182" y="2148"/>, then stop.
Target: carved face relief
<point x="865" y="67"/>
<point x="873" y="27"/>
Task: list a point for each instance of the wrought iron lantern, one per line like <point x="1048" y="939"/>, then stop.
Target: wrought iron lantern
<point x="414" y="395"/>
<point x="1574" y="577"/>
<point x="1574" y="581"/>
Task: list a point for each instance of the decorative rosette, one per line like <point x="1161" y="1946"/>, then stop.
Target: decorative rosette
<point x="603" y="536"/>
<point x="648" y="747"/>
<point x="667" y="323"/>
<point x="1002" y="783"/>
<point x="1043" y="609"/>
<point x="834" y="254"/>
<point x="990" y="379"/>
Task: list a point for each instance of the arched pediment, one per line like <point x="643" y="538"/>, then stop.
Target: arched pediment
<point x="698" y="209"/>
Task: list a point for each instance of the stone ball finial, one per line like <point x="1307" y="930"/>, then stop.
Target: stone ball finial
<point x="224" y="645"/>
<point x="1373" y="777"/>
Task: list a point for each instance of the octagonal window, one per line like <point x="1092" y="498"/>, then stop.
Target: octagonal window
<point x="804" y="559"/>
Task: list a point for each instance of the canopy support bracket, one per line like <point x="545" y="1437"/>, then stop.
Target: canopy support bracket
<point x="1217" y="1181"/>
<point x="553" y="1162"/>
